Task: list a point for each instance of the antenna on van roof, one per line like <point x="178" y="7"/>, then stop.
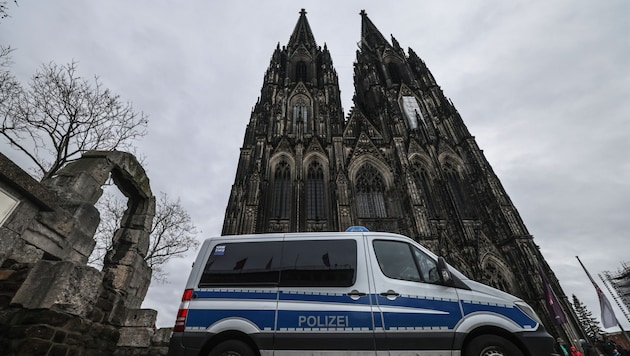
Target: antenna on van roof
<point x="357" y="229"/>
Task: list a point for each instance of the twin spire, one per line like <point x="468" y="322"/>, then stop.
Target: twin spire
<point x="370" y="35"/>
<point x="302" y="33"/>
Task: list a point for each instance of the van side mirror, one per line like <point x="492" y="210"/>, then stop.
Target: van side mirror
<point x="445" y="275"/>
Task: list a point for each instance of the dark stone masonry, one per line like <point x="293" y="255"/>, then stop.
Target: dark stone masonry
<point x="53" y="303"/>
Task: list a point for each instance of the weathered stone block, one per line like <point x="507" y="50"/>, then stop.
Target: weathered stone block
<point x="44" y="332"/>
<point x="59" y="336"/>
<point x="66" y="286"/>
<point x="77" y="185"/>
<point x="39" y="316"/>
<point x="141" y="317"/>
<point x="33" y="347"/>
<point x="135" y="337"/>
<point x="139" y="239"/>
<point x="26" y="254"/>
<point x="47" y="239"/>
<point x="162" y="337"/>
<point x="58" y="350"/>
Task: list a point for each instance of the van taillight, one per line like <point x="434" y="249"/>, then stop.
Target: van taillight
<point x="180" y="321"/>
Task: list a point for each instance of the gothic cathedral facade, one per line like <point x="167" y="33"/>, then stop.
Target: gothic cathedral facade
<point x="402" y="161"/>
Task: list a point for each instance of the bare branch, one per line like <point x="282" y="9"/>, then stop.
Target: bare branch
<point x="62" y="115"/>
<point x="172" y="234"/>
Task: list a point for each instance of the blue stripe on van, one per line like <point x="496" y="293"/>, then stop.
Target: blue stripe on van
<point x="511" y="312"/>
<point x="423" y="313"/>
<point x="323" y="298"/>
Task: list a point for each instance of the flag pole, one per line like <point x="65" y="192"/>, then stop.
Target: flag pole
<point x="606" y="308"/>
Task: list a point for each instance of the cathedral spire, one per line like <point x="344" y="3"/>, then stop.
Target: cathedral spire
<point x="302" y="33"/>
<point x="370" y="35"/>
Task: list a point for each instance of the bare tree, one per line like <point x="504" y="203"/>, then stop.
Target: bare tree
<point x="62" y="115"/>
<point x="173" y="232"/>
<point x="10" y="89"/>
<point x="3" y="8"/>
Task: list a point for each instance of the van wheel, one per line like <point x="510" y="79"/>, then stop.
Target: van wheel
<point x="491" y="345"/>
<point x="232" y="348"/>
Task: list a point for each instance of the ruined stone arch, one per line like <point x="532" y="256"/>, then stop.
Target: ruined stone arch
<point x="124" y="267"/>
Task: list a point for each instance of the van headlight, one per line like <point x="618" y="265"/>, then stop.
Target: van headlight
<point x="525" y="308"/>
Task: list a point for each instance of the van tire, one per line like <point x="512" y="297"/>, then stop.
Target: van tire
<point x="491" y="345"/>
<point x="231" y="348"/>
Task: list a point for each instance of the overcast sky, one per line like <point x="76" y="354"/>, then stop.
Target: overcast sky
<point x="544" y="86"/>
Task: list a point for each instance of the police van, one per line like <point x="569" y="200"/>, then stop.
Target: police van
<point x="344" y="293"/>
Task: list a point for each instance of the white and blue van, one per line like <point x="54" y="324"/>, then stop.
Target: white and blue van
<point x="344" y="293"/>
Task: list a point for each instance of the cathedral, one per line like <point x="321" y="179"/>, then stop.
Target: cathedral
<point x="402" y="160"/>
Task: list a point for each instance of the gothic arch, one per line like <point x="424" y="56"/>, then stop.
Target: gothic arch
<point x="422" y="159"/>
<point x="370" y="188"/>
<point x="320" y="157"/>
<point x="380" y="166"/>
<point x="278" y="157"/>
<point x="301" y="71"/>
<point x="393" y="72"/>
<point x="450" y="158"/>
<point x="395" y="68"/>
<point x="423" y="179"/>
<point x="301" y="54"/>
<point x="496" y="273"/>
<point x="459" y="188"/>
<point x="281" y="193"/>
<point x="315" y="189"/>
<point x="301" y="112"/>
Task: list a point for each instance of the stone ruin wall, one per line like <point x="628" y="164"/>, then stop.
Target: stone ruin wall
<point x="51" y="302"/>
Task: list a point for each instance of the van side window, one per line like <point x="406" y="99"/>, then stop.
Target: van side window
<point x="248" y="263"/>
<point x="396" y="260"/>
<point x="319" y="263"/>
<point x="427" y="266"/>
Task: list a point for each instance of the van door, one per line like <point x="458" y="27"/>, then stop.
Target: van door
<point x="324" y="303"/>
<point x="418" y="313"/>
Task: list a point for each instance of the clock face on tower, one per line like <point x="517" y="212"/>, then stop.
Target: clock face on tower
<point x="412" y="111"/>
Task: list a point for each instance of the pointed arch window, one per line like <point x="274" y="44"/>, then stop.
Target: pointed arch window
<point x="494" y="277"/>
<point x="370" y="193"/>
<point x="456" y="189"/>
<point x="412" y="111"/>
<point x="394" y="73"/>
<point x="301" y="72"/>
<point x="281" y="201"/>
<point x="422" y="180"/>
<point x="300" y="114"/>
<point x="315" y="203"/>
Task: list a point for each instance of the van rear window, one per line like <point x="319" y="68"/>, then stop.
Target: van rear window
<point x="247" y="263"/>
<point x="308" y="263"/>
